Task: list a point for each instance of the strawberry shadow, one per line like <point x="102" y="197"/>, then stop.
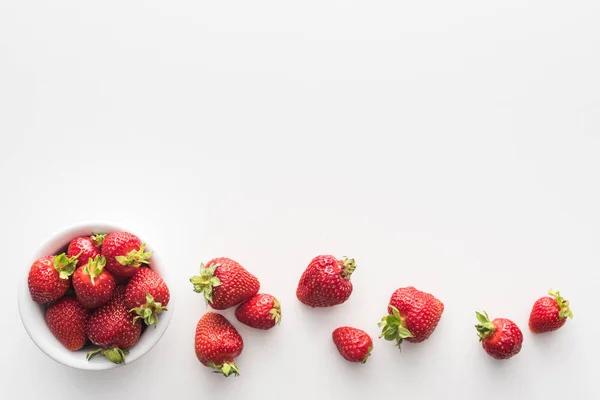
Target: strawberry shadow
<point x="546" y="346"/>
<point x="89" y="381"/>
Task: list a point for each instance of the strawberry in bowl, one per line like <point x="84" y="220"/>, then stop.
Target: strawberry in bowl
<point x="74" y="307"/>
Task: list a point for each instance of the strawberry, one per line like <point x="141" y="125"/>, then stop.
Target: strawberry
<point x="225" y="283"/>
<point x="67" y="320"/>
<point x="87" y="247"/>
<point x="217" y="343"/>
<point x="48" y="278"/>
<point x="500" y="338"/>
<point x="147" y="295"/>
<point x="326" y="281"/>
<point x="549" y="313"/>
<point x="354" y="345"/>
<point x="124" y="253"/>
<point x="113" y="329"/>
<point x="94" y="286"/>
<point x="412" y="316"/>
<point x="262" y="311"/>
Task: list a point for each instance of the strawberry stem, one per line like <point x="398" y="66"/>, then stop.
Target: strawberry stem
<point x="206" y="281"/>
<point x="276" y="311"/>
<point x="149" y="311"/>
<point x="349" y="267"/>
<point x="485" y="328"/>
<point x="98" y="239"/>
<point x="65" y="265"/>
<point x="394" y="327"/>
<point x="227" y="368"/>
<point x="135" y="258"/>
<point x="565" y="310"/>
<point x="114" y="354"/>
<point x="94" y="267"/>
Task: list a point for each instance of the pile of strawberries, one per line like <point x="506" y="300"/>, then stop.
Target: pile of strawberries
<point x="225" y="284"/>
<point x="102" y="290"/>
<point x="412" y="315"/>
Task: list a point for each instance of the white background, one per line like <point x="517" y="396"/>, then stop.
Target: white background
<point x="449" y="145"/>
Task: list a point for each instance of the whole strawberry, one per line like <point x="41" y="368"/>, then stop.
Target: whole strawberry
<point x="326" y="281"/>
<point x="354" y="345"/>
<point x="48" y="278"/>
<point x="113" y="329"/>
<point x="500" y="338"/>
<point x="549" y="313"/>
<point x="225" y="283"/>
<point x="67" y="320"/>
<point x="86" y="247"/>
<point x="262" y="311"/>
<point x="124" y="253"/>
<point x="94" y="286"/>
<point x="412" y="316"/>
<point x="147" y="295"/>
<point x="218" y="343"/>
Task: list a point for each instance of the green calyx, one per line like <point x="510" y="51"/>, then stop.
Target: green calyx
<point x="135" y="258"/>
<point x="276" y="311"/>
<point x="565" y="310"/>
<point x="94" y="267"/>
<point x="227" y="368"/>
<point x="114" y="354"/>
<point x="485" y="327"/>
<point x="394" y="327"/>
<point x="98" y="239"/>
<point x="149" y="311"/>
<point x="206" y="281"/>
<point x="65" y="265"/>
<point x="349" y="267"/>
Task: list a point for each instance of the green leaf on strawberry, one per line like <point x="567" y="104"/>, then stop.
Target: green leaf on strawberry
<point x="565" y="310"/>
<point x="66" y="266"/>
<point x="98" y="239"/>
<point x="349" y="267"/>
<point x="206" y="281"/>
<point x="149" y="311"/>
<point x="226" y="368"/>
<point x="95" y="267"/>
<point x="394" y="327"/>
<point x="114" y="354"/>
<point x="485" y="328"/>
<point x="276" y="311"/>
<point x="135" y="258"/>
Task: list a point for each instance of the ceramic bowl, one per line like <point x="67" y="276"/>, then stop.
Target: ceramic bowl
<point x="33" y="314"/>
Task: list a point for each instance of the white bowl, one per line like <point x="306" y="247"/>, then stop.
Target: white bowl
<point x="33" y="314"/>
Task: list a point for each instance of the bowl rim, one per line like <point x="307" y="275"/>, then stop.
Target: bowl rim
<point x="58" y="353"/>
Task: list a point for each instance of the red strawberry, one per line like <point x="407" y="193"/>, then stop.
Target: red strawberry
<point x="262" y="311"/>
<point x="94" y="286"/>
<point x="353" y="344"/>
<point x="124" y="253"/>
<point x="225" y="283"/>
<point x="549" y="313"/>
<point x="113" y="329"/>
<point x="67" y="319"/>
<point x="86" y="247"/>
<point x="413" y="316"/>
<point x="326" y="281"/>
<point x="218" y="343"/>
<point x="147" y="295"/>
<point x="48" y="278"/>
<point x="500" y="338"/>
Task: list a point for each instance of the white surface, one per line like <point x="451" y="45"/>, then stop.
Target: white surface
<point x="33" y="315"/>
<point x="448" y="145"/>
